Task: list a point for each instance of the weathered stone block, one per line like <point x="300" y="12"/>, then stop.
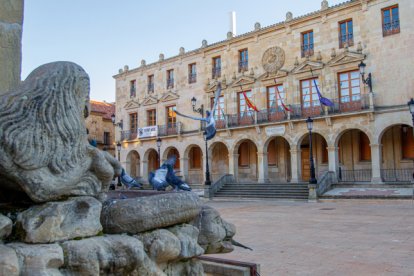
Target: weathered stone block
<point x="140" y="214"/>
<point x="9" y="264"/>
<point x="188" y="236"/>
<point x="6" y="226"/>
<point x="58" y="221"/>
<point x="161" y="245"/>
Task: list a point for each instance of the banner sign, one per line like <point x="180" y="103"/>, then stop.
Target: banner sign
<point x="144" y="132"/>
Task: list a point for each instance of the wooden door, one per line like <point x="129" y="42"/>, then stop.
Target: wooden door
<point x="305" y="164"/>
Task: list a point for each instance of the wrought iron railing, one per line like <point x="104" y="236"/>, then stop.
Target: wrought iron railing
<point x="271" y="115"/>
<point x="391" y="27"/>
<point x="397" y="175"/>
<point x="128" y="135"/>
<point x="245" y="119"/>
<point x="168" y="129"/>
<point x="350" y="103"/>
<point x="216" y="72"/>
<point x="346" y="40"/>
<point x="307" y="50"/>
<point x="243" y="65"/>
<point x="192" y="78"/>
<point x="170" y="83"/>
<point x="363" y="175"/>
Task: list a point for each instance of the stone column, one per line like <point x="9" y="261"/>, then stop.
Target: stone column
<point x="262" y="167"/>
<point x="144" y="170"/>
<point x="184" y="168"/>
<point x="234" y="165"/>
<point x="376" y="160"/>
<point x="294" y="162"/>
<point x="333" y="159"/>
<point x="11" y="22"/>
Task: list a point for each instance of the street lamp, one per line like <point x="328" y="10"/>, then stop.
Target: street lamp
<point x="159" y="146"/>
<point x="367" y="81"/>
<point x="118" y="147"/>
<point x="411" y="108"/>
<point x="312" y="180"/>
<point x="120" y="124"/>
<point x="199" y="110"/>
<point x="207" y="182"/>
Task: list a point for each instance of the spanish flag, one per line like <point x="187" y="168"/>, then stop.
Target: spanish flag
<point x="249" y="103"/>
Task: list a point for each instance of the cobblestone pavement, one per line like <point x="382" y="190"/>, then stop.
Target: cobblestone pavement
<point x="336" y="237"/>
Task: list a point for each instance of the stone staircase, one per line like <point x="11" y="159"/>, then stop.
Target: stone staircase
<point x="297" y="191"/>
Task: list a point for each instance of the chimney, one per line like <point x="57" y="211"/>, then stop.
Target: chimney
<point x="233" y="23"/>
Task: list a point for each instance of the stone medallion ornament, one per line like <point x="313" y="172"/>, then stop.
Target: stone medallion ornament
<point x="273" y="59"/>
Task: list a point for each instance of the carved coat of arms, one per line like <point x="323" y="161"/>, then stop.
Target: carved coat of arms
<point x="273" y="59"/>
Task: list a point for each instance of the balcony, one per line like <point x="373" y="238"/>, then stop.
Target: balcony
<point x="170" y="83"/>
<point x="168" y="129"/>
<point x="216" y="72"/>
<point x="243" y="66"/>
<point x="128" y="135"/>
<point x="307" y="50"/>
<point x="192" y="78"/>
<point x="150" y="88"/>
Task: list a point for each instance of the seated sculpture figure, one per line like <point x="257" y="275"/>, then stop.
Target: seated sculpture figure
<point x="44" y="151"/>
<point x="165" y="176"/>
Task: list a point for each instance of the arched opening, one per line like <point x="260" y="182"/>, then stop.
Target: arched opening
<point x="278" y="160"/>
<point x="397" y="154"/>
<point x="354" y="156"/>
<point x="247" y="162"/>
<point x="133" y="164"/>
<point x="320" y="156"/>
<point x="195" y="166"/>
<point x="219" y="161"/>
<point x="152" y="160"/>
<point x="174" y="152"/>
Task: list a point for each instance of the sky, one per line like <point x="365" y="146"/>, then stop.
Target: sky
<point x="104" y="35"/>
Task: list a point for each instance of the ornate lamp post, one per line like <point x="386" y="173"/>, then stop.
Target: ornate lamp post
<point x="367" y="81"/>
<point x="207" y="182"/>
<point x="159" y="146"/>
<point x="312" y="180"/>
<point x="118" y="147"/>
<point x="199" y="110"/>
<point x="120" y="124"/>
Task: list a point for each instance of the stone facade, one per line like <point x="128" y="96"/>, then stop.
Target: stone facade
<point x="100" y="126"/>
<point x="360" y="138"/>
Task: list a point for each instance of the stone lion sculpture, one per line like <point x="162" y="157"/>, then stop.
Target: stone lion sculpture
<point x="44" y="152"/>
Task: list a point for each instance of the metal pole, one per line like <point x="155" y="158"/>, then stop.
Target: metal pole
<point x="312" y="180"/>
<point x="207" y="182"/>
<point x="119" y="160"/>
<point x="159" y="157"/>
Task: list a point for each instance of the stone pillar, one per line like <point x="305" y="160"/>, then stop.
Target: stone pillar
<point x="144" y="170"/>
<point x="184" y="168"/>
<point x="11" y="27"/>
<point x="376" y="160"/>
<point x="262" y="167"/>
<point x="294" y="161"/>
<point x="333" y="159"/>
<point x="234" y="165"/>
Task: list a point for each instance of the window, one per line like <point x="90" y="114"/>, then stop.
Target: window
<point x="216" y="73"/>
<point x="346" y="35"/>
<point x="150" y="83"/>
<point x="307" y="44"/>
<point x="132" y="88"/>
<point x="407" y="142"/>
<point x="271" y="154"/>
<point x="195" y="158"/>
<point x="192" y="73"/>
<point x="244" y="109"/>
<point x="364" y="147"/>
<point x="171" y="116"/>
<point x="170" y="79"/>
<point x="274" y="99"/>
<point x="309" y="94"/>
<point x="390" y="21"/>
<point x="151" y="117"/>
<point x="133" y="122"/>
<point x="107" y="138"/>
<point x="243" y="60"/>
<point x="349" y="86"/>
<point x="219" y="115"/>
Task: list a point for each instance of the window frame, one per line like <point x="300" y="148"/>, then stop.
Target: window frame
<point x="151" y="113"/>
<point x="132" y="88"/>
<point x="170" y="78"/>
<point x="133" y="122"/>
<point x="192" y="74"/>
<point x="216" y="70"/>
<point x="243" y="60"/>
<point x="150" y="81"/>
<point x="310" y="51"/>
<point x="349" y="41"/>
<point x="350" y="87"/>
<point x="173" y="118"/>
<point x="393" y="30"/>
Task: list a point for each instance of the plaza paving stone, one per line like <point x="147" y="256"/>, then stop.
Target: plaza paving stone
<point x="333" y="237"/>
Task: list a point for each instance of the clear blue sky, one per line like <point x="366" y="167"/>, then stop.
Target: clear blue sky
<point x="104" y="35"/>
